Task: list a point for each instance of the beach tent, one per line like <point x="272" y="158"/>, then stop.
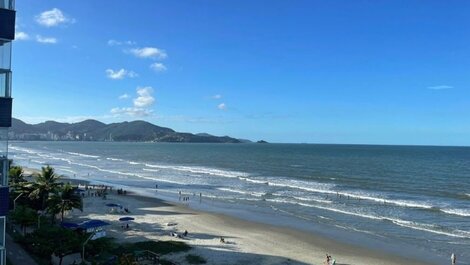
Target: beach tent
<point x="92" y="224"/>
<point x="113" y="205"/>
<point x="126" y="219"/>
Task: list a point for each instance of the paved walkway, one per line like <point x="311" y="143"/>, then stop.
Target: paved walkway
<point x="16" y="254"/>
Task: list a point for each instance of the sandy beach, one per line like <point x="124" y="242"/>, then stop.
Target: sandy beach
<point x="245" y="242"/>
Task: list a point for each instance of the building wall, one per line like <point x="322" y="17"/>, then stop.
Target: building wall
<point x="7" y="34"/>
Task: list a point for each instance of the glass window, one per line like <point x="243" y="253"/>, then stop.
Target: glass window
<point x="5" y="84"/>
<point x="7" y="4"/>
<point x="3" y="171"/>
<point x="2" y="231"/>
<point x="5" y="55"/>
<point x="3" y="142"/>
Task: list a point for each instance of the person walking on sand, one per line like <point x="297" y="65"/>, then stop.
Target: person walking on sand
<point x="453" y="258"/>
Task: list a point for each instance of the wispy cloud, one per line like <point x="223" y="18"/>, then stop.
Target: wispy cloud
<point x="440" y="87"/>
<point x="149" y="52"/>
<point x="141" y="104"/>
<point x="46" y="40"/>
<point x="20" y="35"/>
<point x="119" y="74"/>
<point x="119" y="43"/>
<point x="218" y="96"/>
<point x="131" y="111"/>
<point x="158" y="67"/>
<point x="222" y="106"/>
<point x="52" y="18"/>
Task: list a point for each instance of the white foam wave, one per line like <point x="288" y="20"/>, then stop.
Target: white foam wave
<point x="404" y="223"/>
<point x="311" y="199"/>
<point x="114" y="159"/>
<point x="327" y="189"/>
<point x="151" y="170"/>
<point x="201" y="170"/>
<point x="256" y="194"/>
<point x="133" y="163"/>
<point x="254" y="180"/>
<point x="460" y="212"/>
<point x="82" y="155"/>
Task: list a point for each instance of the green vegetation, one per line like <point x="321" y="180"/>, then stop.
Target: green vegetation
<point x="46" y="197"/>
<point x="194" y="259"/>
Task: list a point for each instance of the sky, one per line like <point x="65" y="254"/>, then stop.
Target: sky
<point x="360" y="72"/>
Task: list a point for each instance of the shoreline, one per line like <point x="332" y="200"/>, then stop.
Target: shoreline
<point x="248" y="242"/>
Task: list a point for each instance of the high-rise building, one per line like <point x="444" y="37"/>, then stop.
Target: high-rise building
<point x="7" y="34"/>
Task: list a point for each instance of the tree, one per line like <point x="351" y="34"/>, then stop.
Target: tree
<point x="24" y="216"/>
<point x="46" y="184"/>
<point x="15" y="176"/>
<point x="66" y="199"/>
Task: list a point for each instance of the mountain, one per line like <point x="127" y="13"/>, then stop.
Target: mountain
<point x="92" y="130"/>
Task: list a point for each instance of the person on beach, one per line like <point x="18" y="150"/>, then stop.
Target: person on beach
<point x="453" y="258"/>
<point x="185" y="233"/>
<point x="327" y="262"/>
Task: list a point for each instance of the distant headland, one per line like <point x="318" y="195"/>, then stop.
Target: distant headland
<point x="93" y="130"/>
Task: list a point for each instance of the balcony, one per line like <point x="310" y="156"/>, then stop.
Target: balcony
<point x="7" y="23"/>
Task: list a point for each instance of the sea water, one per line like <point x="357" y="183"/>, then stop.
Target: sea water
<point x="409" y="200"/>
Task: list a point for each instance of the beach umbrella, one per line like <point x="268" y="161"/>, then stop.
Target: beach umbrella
<point x="126" y="219"/>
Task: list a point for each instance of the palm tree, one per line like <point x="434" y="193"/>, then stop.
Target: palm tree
<point x="65" y="199"/>
<point x="15" y="175"/>
<point x="45" y="185"/>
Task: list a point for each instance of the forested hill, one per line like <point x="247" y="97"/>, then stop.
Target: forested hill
<point x="93" y="130"/>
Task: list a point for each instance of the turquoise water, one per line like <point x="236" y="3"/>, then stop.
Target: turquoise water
<point x="387" y="197"/>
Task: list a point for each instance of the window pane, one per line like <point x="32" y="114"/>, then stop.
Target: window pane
<point x="5" y="84"/>
<point x="3" y="142"/>
<point x="5" y="55"/>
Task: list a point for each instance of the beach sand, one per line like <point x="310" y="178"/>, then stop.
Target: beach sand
<point x="246" y="242"/>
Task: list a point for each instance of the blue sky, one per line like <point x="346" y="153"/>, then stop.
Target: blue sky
<point x="378" y="72"/>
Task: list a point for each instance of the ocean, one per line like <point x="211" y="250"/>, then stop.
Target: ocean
<point x="408" y="200"/>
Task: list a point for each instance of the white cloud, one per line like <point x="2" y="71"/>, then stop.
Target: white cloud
<point x="52" y="18"/>
<point x="149" y="52"/>
<point x="124" y="96"/>
<point x="218" y="96"/>
<point x="440" y="87"/>
<point x="119" y="74"/>
<point x="119" y="43"/>
<point x="145" y="98"/>
<point x="141" y="104"/>
<point x="222" y="106"/>
<point x="131" y="111"/>
<point x="20" y="35"/>
<point x="158" y="67"/>
<point x="46" y="40"/>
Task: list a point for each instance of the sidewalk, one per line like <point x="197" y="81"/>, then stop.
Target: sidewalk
<point x="16" y="254"/>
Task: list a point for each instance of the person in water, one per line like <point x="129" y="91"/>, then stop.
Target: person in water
<point x="453" y="258"/>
